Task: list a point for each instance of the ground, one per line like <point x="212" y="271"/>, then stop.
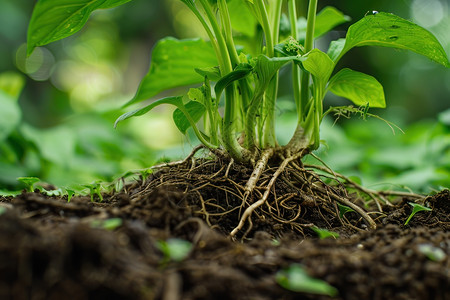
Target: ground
<point x="54" y="249"/>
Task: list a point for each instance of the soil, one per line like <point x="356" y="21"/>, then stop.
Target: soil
<point x="54" y="249"/>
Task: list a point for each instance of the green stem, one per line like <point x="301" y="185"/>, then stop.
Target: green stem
<point x="226" y="24"/>
<point x="295" y="68"/>
<point x="266" y="26"/>
<point x="308" y="121"/>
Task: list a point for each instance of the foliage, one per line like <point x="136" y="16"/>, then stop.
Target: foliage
<point x="248" y="78"/>
<point x="416" y="209"/>
<point x="174" y="249"/>
<point x="296" y="279"/>
<point x="324" y="233"/>
<point x="432" y="253"/>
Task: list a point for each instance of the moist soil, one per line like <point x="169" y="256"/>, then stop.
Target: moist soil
<point x="55" y="249"/>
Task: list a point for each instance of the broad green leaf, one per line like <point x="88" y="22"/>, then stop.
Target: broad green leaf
<point x="326" y="20"/>
<point x="194" y="108"/>
<point x="11" y="85"/>
<point x="296" y="279"/>
<point x="319" y="65"/>
<point x="53" y="20"/>
<point x="240" y="72"/>
<point x="177" y="101"/>
<point x="266" y="67"/>
<point x="388" y="30"/>
<point x="241" y="17"/>
<point x="173" y="65"/>
<point x="360" y="88"/>
<point x="335" y="49"/>
<point x="212" y="73"/>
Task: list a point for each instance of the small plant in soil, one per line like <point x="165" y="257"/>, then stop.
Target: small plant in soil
<point x="416" y="208"/>
<point x="232" y="112"/>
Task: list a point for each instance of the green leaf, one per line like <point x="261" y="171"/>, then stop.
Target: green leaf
<point x="53" y="20"/>
<point x="173" y="65"/>
<point x="388" y="30"/>
<point x="416" y="209"/>
<point x="319" y="65"/>
<point x="174" y="249"/>
<point x="432" y="253"/>
<point x="177" y="101"/>
<point x="240" y="72"/>
<point x="296" y="279"/>
<point x="343" y="209"/>
<point x="242" y="19"/>
<point x="194" y="108"/>
<point x="335" y="49"/>
<point x="212" y="73"/>
<point x="326" y="20"/>
<point x="324" y="233"/>
<point x="29" y="182"/>
<point x="358" y="87"/>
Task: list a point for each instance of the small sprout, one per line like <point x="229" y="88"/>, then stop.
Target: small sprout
<point x="296" y="279"/>
<point x="416" y="209"/>
<point x="432" y="253"/>
<point x="94" y="189"/>
<point x="275" y="242"/>
<point x="108" y="224"/>
<point x="323" y="233"/>
<point x="70" y="194"/>
<point x="343" y="209"/>
<point x="174" y="249"/>
<point x="29" y="182"/>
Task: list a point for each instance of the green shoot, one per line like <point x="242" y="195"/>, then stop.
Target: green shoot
<point x="324" y="233"/>
<point x="174" y="249"/>
<point x="343" y="209"/>
<point x="29" y="182"/>
<point x="70" y="194"/>
<point x="94" y="189"/>
<point x="432" y="253"/>
<point x="416" y="209"/>
<point x="295" y="278"/>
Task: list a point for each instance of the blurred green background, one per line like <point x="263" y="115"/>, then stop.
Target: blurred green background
<point x="61" y="128"/>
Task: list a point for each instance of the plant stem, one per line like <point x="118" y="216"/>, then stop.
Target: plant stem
<point x="295" y="69"/>
<point x="308" y="121"/>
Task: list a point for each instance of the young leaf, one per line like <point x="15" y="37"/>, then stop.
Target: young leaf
<point x="324" y="233"/>
<point x="177" y="101"/>
<point x="416" y="209"/>
<point x="319" y="65"/>
<point x="173" y="64"/>
<point x="358" y="87"/>
<point x="388" y="30"/>
<point x="343" y="209"/>
<point x="174" y="249"/>
<point x="53" y="20"/>
<point x="296" y="279"/>
<point x="194" y="108"/>
<point x="432" y="253"/>
<point x="29" y="182"/>
<point x="240" y="72"/>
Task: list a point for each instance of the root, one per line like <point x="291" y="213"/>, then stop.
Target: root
<point x="248" y="212"/>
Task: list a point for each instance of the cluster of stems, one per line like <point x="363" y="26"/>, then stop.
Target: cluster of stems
<point x="248" y="122"/>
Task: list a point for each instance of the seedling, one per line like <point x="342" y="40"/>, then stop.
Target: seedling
<point x="29" y="182"/>
<point x="432" y="253"/>
<point x="323" y="233"/>
<point x="174" y="249"/>
<point x="94" y="189"/>
<point x="343" y="209"/>
<point x="70" y="194"/>
<point x="296" y="279"/>
<point x="416" y="209"/>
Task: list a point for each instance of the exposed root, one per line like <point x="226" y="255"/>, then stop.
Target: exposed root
<point x="285" y="196"/>
<point x="248" y="212"/>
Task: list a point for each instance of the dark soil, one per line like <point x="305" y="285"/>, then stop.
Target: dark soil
<point x="52" y="249"/>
